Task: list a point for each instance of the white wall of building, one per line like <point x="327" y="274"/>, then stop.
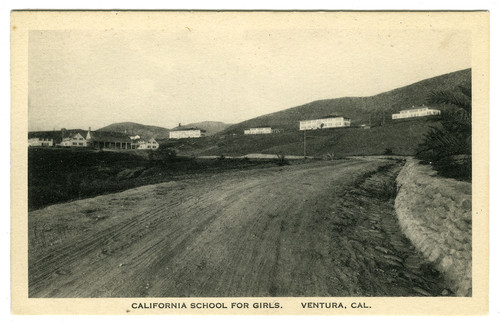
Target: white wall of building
<point x="416" y="112"/>
<point x="183" y="134"/>
<point x="325" y="123"/>
<point x="40" y="142"/>
<point x="148" y="145"/>
<point x="259" y="130"/>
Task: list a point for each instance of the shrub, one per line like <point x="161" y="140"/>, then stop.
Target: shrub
<point x="330" y="156"/>
<point x="162" y="155"/>
<point x="281" y="159"/>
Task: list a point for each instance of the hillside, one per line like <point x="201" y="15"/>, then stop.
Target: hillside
<point x="402" y="137"/>
<point x="144" y="131"/>
<point x="359" y="109"/>
<point x="212" y="127"/>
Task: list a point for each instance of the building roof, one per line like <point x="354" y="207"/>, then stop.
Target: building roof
<point x="260" y="127"/>
<point x="414" y="108"/>
<point x="56" y="136"/>
<point x="182" y="128"/>
<point x="328" y="117"/>
<point x="110" y="136"/>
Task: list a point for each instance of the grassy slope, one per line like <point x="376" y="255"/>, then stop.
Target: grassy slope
<point x="402" y="137"/>
<point x="211" y="127"/>
<point x="358" y="109"/>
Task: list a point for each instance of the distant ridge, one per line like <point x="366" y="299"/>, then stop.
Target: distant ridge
<point x="144" y="131"/>
<point x="360" y="109"/>
<point x="211" y="127"/>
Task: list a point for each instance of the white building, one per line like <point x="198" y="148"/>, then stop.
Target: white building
<point x="40" y="142"/>
<point x="184" y="133"/>
<point x="75" y="140"/>
<point x="326" y="122"/>
<point x="262" y="130"/>
<point x="151" y="144"/>
<point x="415" y="112"/>
<point x="258" y="130"/>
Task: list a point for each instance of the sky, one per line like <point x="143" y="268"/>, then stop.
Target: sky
<point x="92" y="78"/>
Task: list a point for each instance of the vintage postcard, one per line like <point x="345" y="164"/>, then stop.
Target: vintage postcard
<point x="265" y="163"/>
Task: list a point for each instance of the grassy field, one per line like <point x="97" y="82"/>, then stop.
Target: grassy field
<point x="57" y="175"/>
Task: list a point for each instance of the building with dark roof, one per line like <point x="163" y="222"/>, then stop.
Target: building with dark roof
<point x="81" y="138"/>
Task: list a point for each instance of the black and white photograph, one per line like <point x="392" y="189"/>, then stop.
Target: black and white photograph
<point x="315" y="161"/>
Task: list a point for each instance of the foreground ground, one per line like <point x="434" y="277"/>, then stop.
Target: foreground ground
<point x="314" y="229"/>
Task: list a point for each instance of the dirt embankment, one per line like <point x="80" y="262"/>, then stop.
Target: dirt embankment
<point x="436" y="215"/>
<point x="316" y="229"/>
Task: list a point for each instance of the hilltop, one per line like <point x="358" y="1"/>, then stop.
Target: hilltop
<point x="144" y="131"/>
<point x="148" y="131"/>
<point x="399" y="136"/>
<point x="359" y="109"/>
<point x="212" y="127"/>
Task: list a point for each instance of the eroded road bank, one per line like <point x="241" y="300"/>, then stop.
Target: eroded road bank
<point x="316" y="229"/>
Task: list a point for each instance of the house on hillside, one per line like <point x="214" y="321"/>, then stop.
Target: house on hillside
<point x="326" y="122"/>
<point x="150" y="144"/>
<point x="181" y="132"/>
<point x="420" y="111"/>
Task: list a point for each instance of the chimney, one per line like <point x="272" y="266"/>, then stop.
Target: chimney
<point x="64" y="133"/>
<point x="179" y="124"/>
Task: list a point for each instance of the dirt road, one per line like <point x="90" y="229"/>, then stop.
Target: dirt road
<point x="316" y="229"/>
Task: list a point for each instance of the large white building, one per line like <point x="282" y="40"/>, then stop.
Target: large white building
<point x="184" y="133"/>
<point x="325" y="123"/>
<point x="415" y="112"/>
<point x="262" y="130"/>
<point x="258" y="130"/>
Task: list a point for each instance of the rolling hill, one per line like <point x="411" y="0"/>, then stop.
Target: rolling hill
<point x="212" y="127"/>
<point x="161" y="133"/>
<point x="144" y="131"/>
<point x="359" y="109"/>
<point x="399" y="136"/>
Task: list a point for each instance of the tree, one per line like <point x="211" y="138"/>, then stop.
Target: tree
<point x="449" y="147"/>
<point x="163" y="155"/>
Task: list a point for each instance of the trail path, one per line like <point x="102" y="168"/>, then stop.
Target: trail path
<point x="316" y="229"/>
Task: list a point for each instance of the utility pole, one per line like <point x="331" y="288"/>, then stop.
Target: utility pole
<point x="305" y="155"/>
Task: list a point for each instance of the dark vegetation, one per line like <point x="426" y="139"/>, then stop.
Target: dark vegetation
<point x="58" y="175"/>
<point x="449" y="147"/>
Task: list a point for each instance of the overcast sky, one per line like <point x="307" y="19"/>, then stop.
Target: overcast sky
<point x="93" y="78"/>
